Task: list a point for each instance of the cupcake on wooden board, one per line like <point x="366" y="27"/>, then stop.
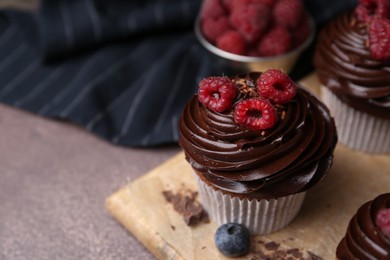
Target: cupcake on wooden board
<point x="352" y="60"/>
<point x="368" y="233"/>
<point x="256" y="142"/>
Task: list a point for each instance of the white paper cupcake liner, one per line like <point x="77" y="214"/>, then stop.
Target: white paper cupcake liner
<point x="259" y="216"/>
<point x="358" y="130"/>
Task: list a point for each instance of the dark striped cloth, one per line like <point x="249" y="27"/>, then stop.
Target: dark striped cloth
<point x="121" y="69"/>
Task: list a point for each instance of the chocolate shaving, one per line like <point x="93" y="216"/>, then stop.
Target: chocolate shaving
<point x="184" y="202"/>
<point x="272" y="251"/>
<point x="272" y="246"/>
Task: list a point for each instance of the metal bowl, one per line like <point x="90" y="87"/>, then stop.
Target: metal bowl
<point x="234" y="63"/>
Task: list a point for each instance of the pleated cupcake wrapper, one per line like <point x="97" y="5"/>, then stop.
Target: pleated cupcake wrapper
<point x="358" y="130"/>
<point x="259" y="216"/>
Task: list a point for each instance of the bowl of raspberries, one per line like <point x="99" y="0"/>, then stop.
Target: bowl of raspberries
<point x="254" y="35"/>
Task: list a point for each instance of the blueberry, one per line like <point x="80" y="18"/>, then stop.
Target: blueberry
<point x="232" y="239"/>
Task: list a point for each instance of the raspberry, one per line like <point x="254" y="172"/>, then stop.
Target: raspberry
<point x="212" y="28"/>
<point x="217" y="93"/>
<point x="255" y="113"/>
<point x="231" y="4"/>
<point x="383" y="9"/>
<point x="275" y="42"/>
<point x="232" y="42"/>
<point x="369" y="9"/>
<point x="383" y="221"/>
<point x="250" y="20"/>
<point x="379" y="39"/>
<point x="212" y="9"/>
<point x="288" y="13"/>
<point x="276" y="86"/>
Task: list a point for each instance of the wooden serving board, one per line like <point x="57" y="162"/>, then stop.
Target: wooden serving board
<point x="142" y="209"/>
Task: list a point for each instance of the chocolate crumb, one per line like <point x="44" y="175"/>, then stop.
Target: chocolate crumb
<point x="272" y="246"/>
<point x="184" y="202"/>
<point x="273" y="251"/>
<point x="295" y="252"/>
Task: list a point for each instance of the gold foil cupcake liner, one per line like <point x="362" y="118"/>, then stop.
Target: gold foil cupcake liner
<point x="358" y="130"/>
<point x="259" y="216"/>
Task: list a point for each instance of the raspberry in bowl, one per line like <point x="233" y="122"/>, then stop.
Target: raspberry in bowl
<point x="254" y="35"/>
<point x="256" y="143"/>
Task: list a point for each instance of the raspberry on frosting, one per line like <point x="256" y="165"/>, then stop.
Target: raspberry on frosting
<point x="383" y="221"/>
<point x="367" y="10"/>
<point x="256" y="114"/>
<point x="276" y="86"/>
<point x="379" y="39"/>
<point x="217" y="93"/>
<point x="251" y="101"/>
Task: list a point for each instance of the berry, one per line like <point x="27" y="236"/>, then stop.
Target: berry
<point x="217" y="93"/>
<point x="232" y="42"/>
<point x="276" y="86"/>
<point x="288" y="13"/>
<point x="369" y="9"/>
<point x="383" y="221"/>
<point x="379" y="39"/>
<point x="231" y="4"/>
<point x="232" y="239"/>
<point x="250" y="20"/>
<point x="212" y="9"/>
<point x="212" y="28"/>
<point x="255" y="113"/>
<point x="275" y="42"/>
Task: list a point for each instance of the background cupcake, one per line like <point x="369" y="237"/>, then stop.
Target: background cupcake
<point x="352" y="59"/>
<point x="368" y="233"/>
<point x="256" y="143"/>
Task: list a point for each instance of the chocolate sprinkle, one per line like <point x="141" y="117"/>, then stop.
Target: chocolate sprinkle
<point x="184" y="202"/>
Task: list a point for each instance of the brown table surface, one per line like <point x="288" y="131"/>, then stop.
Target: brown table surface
<point x="54" y="179"/>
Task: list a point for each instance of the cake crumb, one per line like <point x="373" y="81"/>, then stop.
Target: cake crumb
<point x="272" y="246"/>
<point x="184" y="202"/>
<point x="272" y="251"/>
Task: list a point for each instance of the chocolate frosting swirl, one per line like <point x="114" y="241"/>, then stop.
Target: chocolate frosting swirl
<point x="364" y="239"/>
<point x="289" y="158"/>
<point x="344" y="64"/>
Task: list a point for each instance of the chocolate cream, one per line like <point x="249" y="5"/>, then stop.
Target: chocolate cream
<point x="364" y="239"/>
<point x="286" y="159"/>
<point x="344" y="65"/>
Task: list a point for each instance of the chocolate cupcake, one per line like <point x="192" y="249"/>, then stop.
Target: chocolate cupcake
<point x="352" y="60"/>
<point x="368" y="233"/>
<point x="256" y="143"/>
